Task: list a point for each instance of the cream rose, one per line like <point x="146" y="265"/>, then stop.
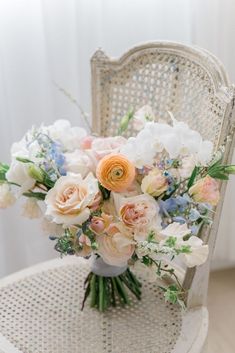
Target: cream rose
<point x="116" y="246"/>
<point x="69" y="201"/>
<point x="155" y="183"/>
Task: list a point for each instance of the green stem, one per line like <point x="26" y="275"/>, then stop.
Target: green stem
<point x="113" y="293"/>
<point x="122" y="291"/>
<point x="93" y="291"/>
<point x="132" y="288"/>
<point x="101" y="293"/>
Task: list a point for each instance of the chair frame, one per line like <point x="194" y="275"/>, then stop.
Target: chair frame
<point x="195" y="279"/>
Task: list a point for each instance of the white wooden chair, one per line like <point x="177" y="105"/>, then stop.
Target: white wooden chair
<point x="40" y="306"/>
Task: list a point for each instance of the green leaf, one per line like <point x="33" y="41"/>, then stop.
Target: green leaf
<point x="217" y="174"/>
<point x="4" y="167"/>
<point x="193" y="176"/>
<point x="3" y="170"/>
<point x="37" y="195"/>
<point x="125" y="121"/>
<point x="151" y="236"/>
<point x="216" y="163"/>
<point x="171" y="294"/>
<point x="146" y="260"/>
<point x="48" y="182"/>
<point x="36" y="173"/>
<point x="171" y="242"/>
<point x="105" y="192"/>
<point x="24" y="160"/>
<point x="229" y="169"/>
<point x="184" y="249"/>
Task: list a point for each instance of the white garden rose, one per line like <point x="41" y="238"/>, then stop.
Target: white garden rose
<point x="101" y="146"/>
<point x="70" y="137"/>
<point x="18" y="174"/>
<point x="71" y="198"/>
<point x="31" y="209"/>
<point x="7" y="198"/>
<point x="79" y="162"/>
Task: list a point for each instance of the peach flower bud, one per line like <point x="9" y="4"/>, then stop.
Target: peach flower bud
<point x="206" y="190"/>
<point x="154" y="183"/>
<point x="86" y="142"/>
<point x="115" y="172"/>
<point x="99" y="224"/>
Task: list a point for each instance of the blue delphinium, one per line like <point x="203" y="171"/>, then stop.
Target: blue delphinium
<point x="51" y="153"/>
<point x="173" y="204"/>
<point x="56" y="154"/>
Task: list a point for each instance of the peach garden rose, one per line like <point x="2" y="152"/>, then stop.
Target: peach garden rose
<point x="206" y="190"/>
<point x="139" y="213"/>
<point x="116" y="246"/>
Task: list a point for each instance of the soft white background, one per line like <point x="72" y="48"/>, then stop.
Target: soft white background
<point x="42" y="41"/>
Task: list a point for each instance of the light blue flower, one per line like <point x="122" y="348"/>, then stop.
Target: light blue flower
<point x="179" y="219"/>
<point x="194" y="215"/>
<point x="194" y="229"/>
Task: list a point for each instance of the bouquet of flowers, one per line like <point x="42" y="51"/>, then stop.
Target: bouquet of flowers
<point x="119" y="201"/>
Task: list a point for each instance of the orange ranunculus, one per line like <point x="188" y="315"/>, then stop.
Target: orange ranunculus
<point x="115" y="172"/>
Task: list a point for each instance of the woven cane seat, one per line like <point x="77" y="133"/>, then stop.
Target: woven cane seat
<point x="40" y="312"/>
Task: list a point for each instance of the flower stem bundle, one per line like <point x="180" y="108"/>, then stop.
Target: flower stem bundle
<point x="104" y="292"/>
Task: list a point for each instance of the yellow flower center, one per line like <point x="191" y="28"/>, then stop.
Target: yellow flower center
<point x="116" y="173"/>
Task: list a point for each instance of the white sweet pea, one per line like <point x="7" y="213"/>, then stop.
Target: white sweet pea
<point x="140" y="150"/>
<point x="142" y="116"/>
<point x="7" y="198"/>
<point x="187" y="166"/>
<point x="205" y="152"/>
<point x="175" y="229"/>
<point x="69" y="137"/>
<point x="18" y="174"/>
<point x="198" y="252"/>
<point x="31" y="209"/>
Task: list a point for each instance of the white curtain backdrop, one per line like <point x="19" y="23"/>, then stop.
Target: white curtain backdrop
<point x="46" y="41"/>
